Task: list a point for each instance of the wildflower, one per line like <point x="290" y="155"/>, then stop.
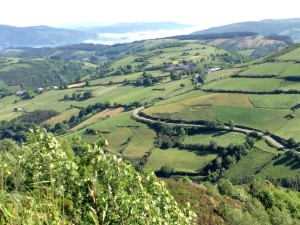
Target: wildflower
<point x="5" y="165"/>
<point x="8" y="172"/>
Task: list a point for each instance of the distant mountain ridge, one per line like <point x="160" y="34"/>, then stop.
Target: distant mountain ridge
<point x="40" y="36"/>
<point x="45" y="36"/>
<point x="290" y="27"/>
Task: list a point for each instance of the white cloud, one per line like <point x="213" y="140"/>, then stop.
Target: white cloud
<point x="113" y="38"/>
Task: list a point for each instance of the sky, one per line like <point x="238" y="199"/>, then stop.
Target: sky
<point x="204" y="14"/>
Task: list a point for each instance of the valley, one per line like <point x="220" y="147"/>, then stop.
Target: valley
<point x="186" y="109"/>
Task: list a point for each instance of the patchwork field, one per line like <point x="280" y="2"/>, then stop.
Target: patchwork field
<point x="177" y="97"/>
<point x="222" y="138"/>
<point x="179" y="160"/>
<point x="277" y="69"/>
<point x="245" y="84"/>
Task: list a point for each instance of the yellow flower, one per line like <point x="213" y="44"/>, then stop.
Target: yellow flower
<point x="5" y="165"/>
<point x="8" y="172"/>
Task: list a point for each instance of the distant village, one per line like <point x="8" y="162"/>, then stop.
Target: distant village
<point x="41" y="89"/>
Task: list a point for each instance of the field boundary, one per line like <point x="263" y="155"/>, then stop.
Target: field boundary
<point x="139" y="117"/>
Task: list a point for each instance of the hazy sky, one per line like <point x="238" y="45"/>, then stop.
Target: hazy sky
<point x="203" y="13"/>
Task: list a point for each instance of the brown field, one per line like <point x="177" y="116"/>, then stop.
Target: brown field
<point x="61" y="117"/>
<point x="82" y="84"/>
<point x="248" y="42"/>
<point x="98" y="116"/>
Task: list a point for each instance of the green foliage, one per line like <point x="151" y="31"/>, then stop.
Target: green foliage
<point x="93" y="188"/>
<point x="226" y="188"/>
<point x="166" y="170"/>
<point x="33" y="73"/>
<point x="37" y="116"/>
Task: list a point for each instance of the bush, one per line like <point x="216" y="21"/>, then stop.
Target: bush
<point x="96" y="188"/>
<point x="166" y="170"/>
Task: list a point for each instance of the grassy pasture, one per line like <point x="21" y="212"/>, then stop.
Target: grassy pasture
<point x="116" y="79"/>
<point x="222" y="138"/>
<point x="123" y="62"/>
<point x="220" y="74"/>
<point x="113" y="93"/>
<point x="180" y="160"/>
<point x="288" y="85"/>
<point x="98" y="116"/>
<point x="245" y="84"/>
<point x="291" y="128"/>
<point x="293" y="55"/>
<point x="126" y="94"/>
<point x="248" y="166"/>
<point x="48" y="100"/>
<point x="261" y="144"/>
<point x="14" y="66"/>
<point x="284" y="166"/>
<point x="140" y="143"/>
<point x="277" y="68"/>
<point x="188" y="101"/>
<point x="181" y="97"/>
<point x="116" y="130"/>
<point x="259" y="118"/>
<point x="247" y="52"/>
<point x="282" y="101"/>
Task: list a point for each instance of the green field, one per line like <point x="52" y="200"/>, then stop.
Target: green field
<point x="219" y="74"/>
<point x="282" y="101"/>
<point x="276" y="68"/>
<point x="140" y="143"/>
<point x="116" y="130"/>
<point x="222" y="138"/>
<point x="248" y="166"/>
<point x="281" y="167"/>
<point x="263" y="145"/>
<point x="293" y="55"/>
<point x="259" y="118"/>
<point x="172" y="99"/>
<point x="179" y="160"/>
<point x="245" y="84"/>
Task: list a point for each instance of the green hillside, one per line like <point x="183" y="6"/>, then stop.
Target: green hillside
<point x="40" y="72"/>
<point x="207" y="114"/>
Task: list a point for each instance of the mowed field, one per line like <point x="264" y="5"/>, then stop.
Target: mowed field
<point x="255" y="111"/>
<point x="246" y="84"/>
<point x="279" y="69"/>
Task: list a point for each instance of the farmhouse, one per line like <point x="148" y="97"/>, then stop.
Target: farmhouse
<point x="21" y="93"/>
<point x="210" y="70"/>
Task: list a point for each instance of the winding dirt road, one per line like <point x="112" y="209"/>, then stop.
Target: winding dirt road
<point x="236" y="129"/>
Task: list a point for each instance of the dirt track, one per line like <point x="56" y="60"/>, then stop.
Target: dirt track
<point x="236" y="129"/>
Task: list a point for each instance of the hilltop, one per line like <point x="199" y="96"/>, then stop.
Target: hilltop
<point x="288" y="27"/>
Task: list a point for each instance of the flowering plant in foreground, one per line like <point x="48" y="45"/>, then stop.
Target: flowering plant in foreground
<point x="94" y="188"/>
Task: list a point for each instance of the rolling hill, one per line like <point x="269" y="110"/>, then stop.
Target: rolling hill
<point x="290" y="27"/>
<point x="180" y="107"/>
